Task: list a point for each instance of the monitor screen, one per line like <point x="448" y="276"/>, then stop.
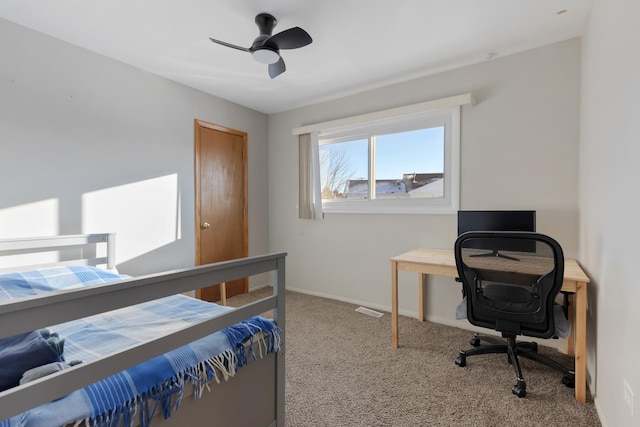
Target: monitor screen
<point x="496" y="221"/>
<point x="499" y="221"/>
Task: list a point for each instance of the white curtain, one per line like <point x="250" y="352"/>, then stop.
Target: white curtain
<point x="310" y="200"/>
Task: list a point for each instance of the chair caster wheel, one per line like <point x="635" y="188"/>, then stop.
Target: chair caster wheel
<point x="569" y="381"/>
<point x="475" y="342"/>
<point x="520" y="392"/>
<point x="520" y="389"/>
<point x="461" y="361"/>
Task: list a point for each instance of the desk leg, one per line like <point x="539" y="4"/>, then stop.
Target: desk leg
<point x="571" y="316"/>
<point x="581" y="342"/>
<point x="422" y="283"/>
<point x="394" y="304"/>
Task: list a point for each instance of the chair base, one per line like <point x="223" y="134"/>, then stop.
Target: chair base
<point x="514" y="349"/>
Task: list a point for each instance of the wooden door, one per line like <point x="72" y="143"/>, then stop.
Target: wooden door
<point x="221" y="201"/>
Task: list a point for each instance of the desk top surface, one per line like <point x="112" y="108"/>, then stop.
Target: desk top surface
<point x="445" y="258"/>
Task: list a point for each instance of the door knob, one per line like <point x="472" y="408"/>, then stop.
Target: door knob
<point x="205" y="225"/>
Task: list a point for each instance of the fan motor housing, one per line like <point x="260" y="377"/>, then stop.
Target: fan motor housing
<point x="266" y="23"/>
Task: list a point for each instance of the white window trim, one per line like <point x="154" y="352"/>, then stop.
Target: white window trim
<point x="451" y="101"/>
<point x="447" y="205"/>
<point x="387" y="120"/>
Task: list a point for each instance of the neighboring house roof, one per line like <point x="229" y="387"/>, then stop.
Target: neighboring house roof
<point x="411" y="184"/>
<point x="433" y="189"/>
<point x="360" y="187"/>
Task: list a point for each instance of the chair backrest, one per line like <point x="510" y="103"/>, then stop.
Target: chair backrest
<point x="510" y="280"/>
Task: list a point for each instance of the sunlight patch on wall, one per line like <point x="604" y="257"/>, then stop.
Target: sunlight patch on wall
<point x="144" y="215"/>
<point x="30" y="219"/>
<point x="35" y="219"/>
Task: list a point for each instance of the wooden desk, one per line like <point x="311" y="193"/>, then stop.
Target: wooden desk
<point x="442" y="263"/>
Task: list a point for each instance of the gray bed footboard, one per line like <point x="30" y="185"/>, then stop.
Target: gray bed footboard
<point x="37" y="312"/>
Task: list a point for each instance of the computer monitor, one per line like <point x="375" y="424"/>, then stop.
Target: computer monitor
<point x="496" y="221"/>
<point x="503" y="220"/>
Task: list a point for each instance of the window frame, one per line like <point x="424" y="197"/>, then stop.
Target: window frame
<point x="449" y="117"/>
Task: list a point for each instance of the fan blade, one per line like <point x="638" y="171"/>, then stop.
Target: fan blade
<point x="292" y="38"/>
<point x="276" y="69"/>
<point x="229" y="45"/>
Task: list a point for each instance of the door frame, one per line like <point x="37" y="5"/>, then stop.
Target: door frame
<point x="197" y="125"/>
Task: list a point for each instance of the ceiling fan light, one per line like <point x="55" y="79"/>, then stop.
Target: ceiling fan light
<point x="266" y="55"/>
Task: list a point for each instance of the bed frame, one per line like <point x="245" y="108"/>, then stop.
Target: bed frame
<point x="260" y="384"/>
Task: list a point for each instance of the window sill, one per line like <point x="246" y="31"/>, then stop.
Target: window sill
<point x="414" y="207"/>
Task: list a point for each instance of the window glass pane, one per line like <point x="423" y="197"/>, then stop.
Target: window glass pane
<point x="410" y="164"/>
<point x="344" y="170"/>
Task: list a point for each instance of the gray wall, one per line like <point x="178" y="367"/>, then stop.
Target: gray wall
<point x="609" y="203"/>
<point x="89" y="144"/>
<point x="518" y="151"/>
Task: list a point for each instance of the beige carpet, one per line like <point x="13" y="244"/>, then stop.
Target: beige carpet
<point x="342" y="371"/>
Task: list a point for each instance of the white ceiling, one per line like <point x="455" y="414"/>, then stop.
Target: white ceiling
<point x="357" y="44"/>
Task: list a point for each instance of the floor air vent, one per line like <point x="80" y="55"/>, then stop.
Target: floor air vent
<point x="369" y="312"/>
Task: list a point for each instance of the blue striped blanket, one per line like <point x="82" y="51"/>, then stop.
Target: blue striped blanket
<point x="45" y="280"/>
<point x="136" y="394"/>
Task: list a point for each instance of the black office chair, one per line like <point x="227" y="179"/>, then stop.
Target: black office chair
<point x="510" y="281"/>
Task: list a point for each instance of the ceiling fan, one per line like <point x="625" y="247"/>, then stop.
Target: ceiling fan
<point x="266" y="48"/>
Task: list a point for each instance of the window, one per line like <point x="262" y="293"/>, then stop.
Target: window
<point x="406" y="164"/>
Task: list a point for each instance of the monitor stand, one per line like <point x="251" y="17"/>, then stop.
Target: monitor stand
<point x="495" y="253"/>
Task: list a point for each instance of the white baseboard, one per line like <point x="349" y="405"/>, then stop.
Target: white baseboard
<point x="381" y="307"/>
<point x="261" y="286"/>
